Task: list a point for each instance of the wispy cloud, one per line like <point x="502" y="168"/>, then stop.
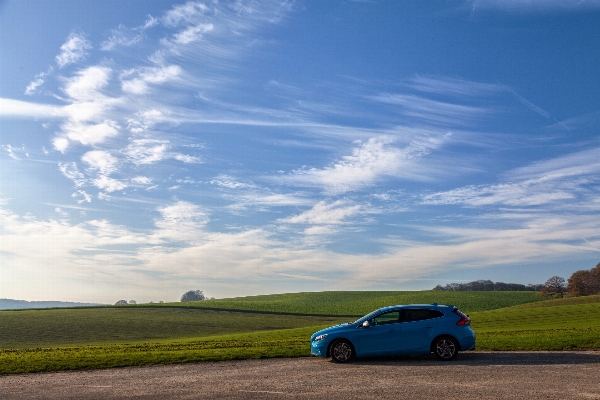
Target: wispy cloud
<point x="324" y="213"/>
<point x="370" y="162"/>
<point x="564" y="178"/>
<point x="433" y="111"/>
<point x="529" y="104"/>
<point x="453" y="86"/>
<point x="15" y="152"/>
<point x="73" y="50"/>
<point x="535" y="5"/>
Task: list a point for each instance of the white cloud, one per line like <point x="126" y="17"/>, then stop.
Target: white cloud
<point x="101" y="161"/>
<point x="70" y="170"/>
<point x="14" y="151"/>
<point x="528" y="193"/>
<point x="17" y="108"/>
<point x="87" y="83"/>
<point x="146" y="151"/>
<point x="324" y="213"/>
<point x="192" y="33"/>
<point x="73" y="50"/>
<point x="91" y="134"/>
<point x="370" y="161"/>
<point x="184" y="13"/>
<point x="231" y="182"/>
<point x="185" y="158"/>
<point x="136" y="81"/>
<point x="565" y="178"/>
<point x="83" y="194"/>
<point x="141" y="180"/>
<point x="181" y="221"/>
<point x="121" y="37"/>
<point x="109" y="184"/>
<point x="33" y="86"/>
<point x="585" y="162"/>
<point x="180" y="248"/>
<point x="60" y="143"/>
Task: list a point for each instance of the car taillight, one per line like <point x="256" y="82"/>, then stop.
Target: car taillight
<point x="464" y="320"/>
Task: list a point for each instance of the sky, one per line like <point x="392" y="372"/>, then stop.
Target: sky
<point x="241" y="148"/>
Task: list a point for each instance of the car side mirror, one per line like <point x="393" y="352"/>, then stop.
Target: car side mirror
<point x="366" y="324"/>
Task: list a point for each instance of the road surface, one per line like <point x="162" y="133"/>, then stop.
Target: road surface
<point x="473" y="375"/>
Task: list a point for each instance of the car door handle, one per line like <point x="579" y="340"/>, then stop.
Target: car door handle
<point x="428" y="326"/>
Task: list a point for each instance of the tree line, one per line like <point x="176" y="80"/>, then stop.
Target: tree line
<point x="581" y="283"/>
<point x="487" y="285"/>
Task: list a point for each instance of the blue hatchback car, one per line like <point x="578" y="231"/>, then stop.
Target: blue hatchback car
<point x="411" y="329"/>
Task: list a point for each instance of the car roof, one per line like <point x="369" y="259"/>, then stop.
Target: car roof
<point x="400" y="306"/>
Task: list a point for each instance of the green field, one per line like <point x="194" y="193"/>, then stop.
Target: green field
<point x="64" y="339"/>
<point x="361" y="303"/>
<point x="97" y="326"/>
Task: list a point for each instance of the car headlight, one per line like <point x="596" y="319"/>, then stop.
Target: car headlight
<point x="320" y="337"/>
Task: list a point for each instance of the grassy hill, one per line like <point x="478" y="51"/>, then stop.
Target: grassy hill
<point x="97" y="326"/>
<point x="63" y="339"/>
<point x="361" y="303"/>
<point x="561" y="324"/>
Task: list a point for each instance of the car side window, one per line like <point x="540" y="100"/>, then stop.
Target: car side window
<point x="419" y="314"/>
<point x="391" y="317"/>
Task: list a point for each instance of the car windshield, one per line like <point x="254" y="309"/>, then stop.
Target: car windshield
<point x="367" y="317"/>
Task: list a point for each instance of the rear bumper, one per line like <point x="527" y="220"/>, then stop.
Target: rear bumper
<point x="468" y="343"/>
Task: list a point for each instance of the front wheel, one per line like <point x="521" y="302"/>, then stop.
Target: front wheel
<point x="341" y="351"/>
<point x="445" y="348"/>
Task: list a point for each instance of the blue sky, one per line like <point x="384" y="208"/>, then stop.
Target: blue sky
<point x="153" y="147"/>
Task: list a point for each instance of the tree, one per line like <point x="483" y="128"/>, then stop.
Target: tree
<point x="584" y="283"/>
<point x="121" y="302"/>
<point x="554" y="286"/>
<point x="132" y="302"/>
<point x="193" y="295"/>
<point x="596" y="271"/>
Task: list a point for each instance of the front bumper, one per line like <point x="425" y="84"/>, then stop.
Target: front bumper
<point x="318" y="349"/>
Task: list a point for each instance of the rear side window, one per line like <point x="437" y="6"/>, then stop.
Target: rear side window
<point x="419" y="314"/>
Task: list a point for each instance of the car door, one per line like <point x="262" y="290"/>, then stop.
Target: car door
<point x="382" y="336"/>
<point x="417" y="329"/>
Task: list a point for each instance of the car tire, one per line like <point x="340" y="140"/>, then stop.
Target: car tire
<point x="341" y="351"/>
<point x="445" y="348"/>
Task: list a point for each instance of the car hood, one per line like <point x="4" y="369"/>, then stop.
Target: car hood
<point x="332" y="329"/>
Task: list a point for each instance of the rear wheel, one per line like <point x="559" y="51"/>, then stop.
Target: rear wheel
<point x="341" y="351"/>
<point x="445" y="348"/>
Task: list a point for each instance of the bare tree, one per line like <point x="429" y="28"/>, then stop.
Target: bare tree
<point x="193" y="295"/>
<point x="554" y="286"/>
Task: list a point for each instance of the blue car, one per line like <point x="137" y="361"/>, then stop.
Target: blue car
<point x="411" y="329"/>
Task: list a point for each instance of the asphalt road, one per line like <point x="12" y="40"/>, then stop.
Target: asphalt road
<point x="478" y="375"/>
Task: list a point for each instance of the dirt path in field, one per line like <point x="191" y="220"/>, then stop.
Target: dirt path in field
<point x="478" y="375"/>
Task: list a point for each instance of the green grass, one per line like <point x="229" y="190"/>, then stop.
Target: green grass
<point x="361" y="303"/>
<point x="561" y="324"/>
<point x="267" y="344"/>
<point x="97" y="326"/>
<point x="85" y="338"/>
